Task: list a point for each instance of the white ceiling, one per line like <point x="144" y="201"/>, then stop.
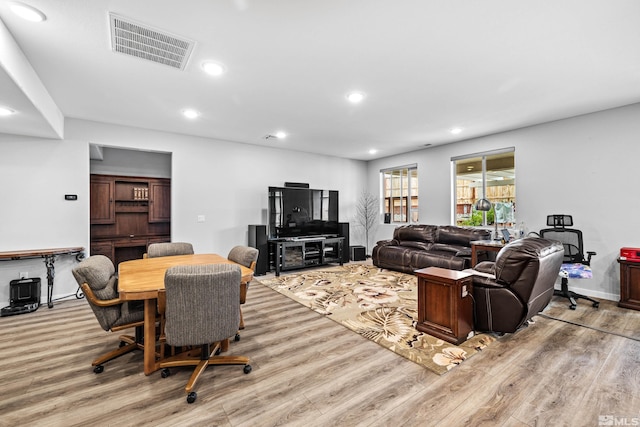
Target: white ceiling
<point x="425" y="66"/>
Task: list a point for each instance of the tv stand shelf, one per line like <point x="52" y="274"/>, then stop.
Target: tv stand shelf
<point x="292" y="254"/>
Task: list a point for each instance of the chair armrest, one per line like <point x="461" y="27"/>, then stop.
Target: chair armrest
<point x="162" y="301"/>
<point x="488" y="267"/>
<point x="91" y="297"/>
<point x="485" y="281"/>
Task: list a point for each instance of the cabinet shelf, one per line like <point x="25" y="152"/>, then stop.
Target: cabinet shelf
<point x="290" y="255"/>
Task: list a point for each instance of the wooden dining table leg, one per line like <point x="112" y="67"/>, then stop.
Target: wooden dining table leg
<point x="150" y="364"/>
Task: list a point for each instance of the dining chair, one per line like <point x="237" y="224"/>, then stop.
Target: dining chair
<point x="169" y="249"/>
<point x="248" y="257"/>
<point x="202" y="309"/>
<point x="96" y="277"/>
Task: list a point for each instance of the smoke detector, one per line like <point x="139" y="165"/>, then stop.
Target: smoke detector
<point x="142" y="41"/>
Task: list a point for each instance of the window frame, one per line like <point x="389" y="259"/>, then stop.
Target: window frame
<point x="407" y="176"/>
<point x="486" y="216"/>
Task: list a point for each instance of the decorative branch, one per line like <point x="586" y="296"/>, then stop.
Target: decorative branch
<point x="367" y="215"/>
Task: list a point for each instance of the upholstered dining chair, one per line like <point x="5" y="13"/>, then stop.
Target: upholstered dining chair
<point x="96" y="277"/>
<point x="248" y="257"/>
<point x="169" y="249"/>
<point x="202" y="309"/>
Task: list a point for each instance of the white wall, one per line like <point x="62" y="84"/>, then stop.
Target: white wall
<point x="35" y="175"/>
<point x="227" y="182"/>
<point x="585" y="166"/>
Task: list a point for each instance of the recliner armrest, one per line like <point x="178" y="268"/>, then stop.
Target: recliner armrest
<point x="488" y="267"/>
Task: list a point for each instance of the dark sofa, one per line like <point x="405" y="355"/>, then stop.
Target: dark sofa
<point x="419" y="246"/>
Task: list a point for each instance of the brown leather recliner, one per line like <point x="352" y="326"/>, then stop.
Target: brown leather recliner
<point x="525" y="273"/>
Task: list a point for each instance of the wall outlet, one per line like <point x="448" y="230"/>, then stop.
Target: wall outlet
<point x="24" y="275"/>
<point x="200" y="218"/>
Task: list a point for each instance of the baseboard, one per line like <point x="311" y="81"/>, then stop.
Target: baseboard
<point x="593" y="294"/>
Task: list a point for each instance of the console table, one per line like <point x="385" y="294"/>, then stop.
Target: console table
<point x="49" y="256"/>
<point x="294" y="253"/>
<point x="445" y="307"/>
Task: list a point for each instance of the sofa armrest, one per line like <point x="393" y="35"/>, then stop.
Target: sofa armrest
<point x="390" y="242"/>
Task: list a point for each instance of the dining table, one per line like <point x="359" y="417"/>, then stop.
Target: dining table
<point x="142" y="280"/>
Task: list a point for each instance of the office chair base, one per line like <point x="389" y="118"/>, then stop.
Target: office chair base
<point x="572" y="297"/>
<point x="127" y="345"/>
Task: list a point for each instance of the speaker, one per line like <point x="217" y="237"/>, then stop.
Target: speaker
<point x="296" y="184"/>
<point x="258" y="240"/>
<point x="358" y="253"/>
<point x="343" y="229"/>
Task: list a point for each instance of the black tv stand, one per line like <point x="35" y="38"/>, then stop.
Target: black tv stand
<point x="305" y="251"/>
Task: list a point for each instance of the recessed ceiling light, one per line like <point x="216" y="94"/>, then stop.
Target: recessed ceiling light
<point x="373" y="151"/>
<point x="190" y="113"/>
<point x="280" y="135"/>
<point x="5" y="111"/>
<point x="213" y="68"/>
<point x="455" y="131"/>
<point x="355" y="97"/>
<point x="27" y="12"/>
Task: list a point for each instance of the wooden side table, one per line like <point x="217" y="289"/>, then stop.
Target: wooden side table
<point x="484" y="245"/>
<point x="445" y="308"/>
<point x="629" y="284"/>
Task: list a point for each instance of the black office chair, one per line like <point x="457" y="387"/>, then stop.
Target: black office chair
<point x="574" y="253"/>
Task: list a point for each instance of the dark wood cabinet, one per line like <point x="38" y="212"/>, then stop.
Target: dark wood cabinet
<point x="629" y="284"/>
<point x="102" y="206"/>
<point x="127" y="214"/>
<point x="159" y="201"/>
<point x="445" y="308"/>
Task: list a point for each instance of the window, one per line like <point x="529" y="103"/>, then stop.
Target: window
<point x="488" y="175"/>
<point x="400" y="193"/>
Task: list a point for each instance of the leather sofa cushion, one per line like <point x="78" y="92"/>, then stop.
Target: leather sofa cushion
<point x="452" y="250"/>
<point x="420" y="233"/>
<point x="416" y="244"/>
<point x="462" y="236"/>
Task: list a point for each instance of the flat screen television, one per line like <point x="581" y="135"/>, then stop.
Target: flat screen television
<point x="302" y="212"/>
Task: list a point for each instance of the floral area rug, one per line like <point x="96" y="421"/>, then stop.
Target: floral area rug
<point x="378" y="304"/>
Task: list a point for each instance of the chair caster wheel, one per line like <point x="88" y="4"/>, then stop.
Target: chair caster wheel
<point x="572" y="307"/>
<point x="247" y="369"/>
<point x="191" y="397"/>
<point x="165" y="373"/>
<point x="122" y="344"/>
<point x="98" y="369"/>
<point x="237" y="337"/>
<point x="596" y="304"/>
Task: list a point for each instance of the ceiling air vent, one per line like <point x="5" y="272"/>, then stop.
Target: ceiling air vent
<point x="139" y="40"/>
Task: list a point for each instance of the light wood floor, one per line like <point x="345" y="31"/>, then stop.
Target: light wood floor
<point x="310" y="371"/>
